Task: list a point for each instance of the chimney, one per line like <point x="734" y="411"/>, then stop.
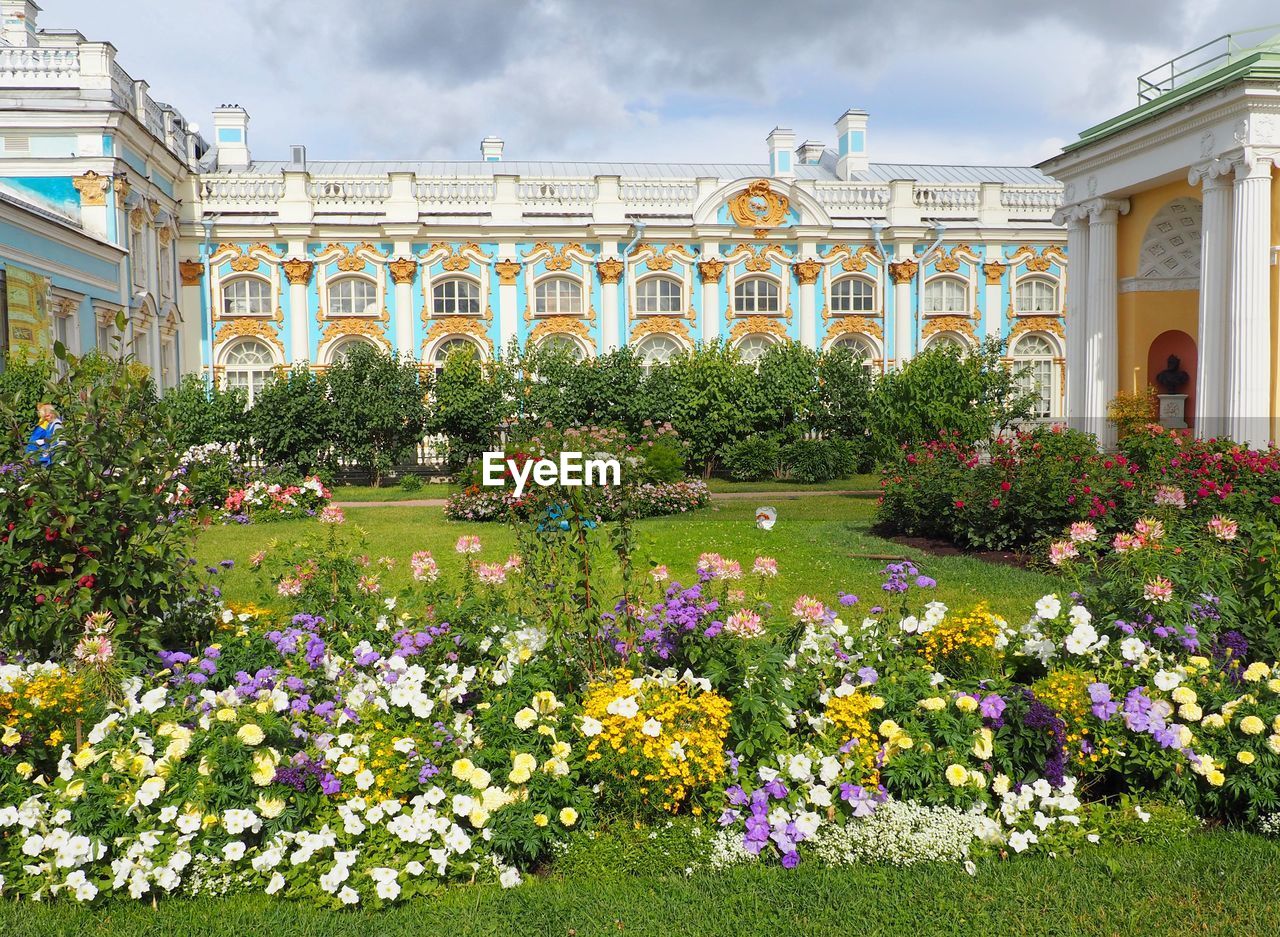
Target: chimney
<point x="231" y="136"/>
<point x="851" y="144"/>
<point x="781" y="141"/>
<point x="297" y="158"/>
<point x="810" y="152"/>
<point x="20" y="23"/>
<point x="491" y="149"/>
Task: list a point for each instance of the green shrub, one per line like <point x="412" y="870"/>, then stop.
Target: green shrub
<point x="410" y="482"/>
<point x="469" y="404"/>
<point x="377" y="410"/>
<point x="201" y="414"/>
<point x="291" y="421"/>
<point x="819" y="460"/>
<point x="846" y="391"/>
<point x="23" y="381"/>
<point x="754" y="459"/>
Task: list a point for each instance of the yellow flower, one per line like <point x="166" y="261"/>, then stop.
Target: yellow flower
<point x="270" y="807"/>
<point x="1215" y="777"/>
<point x="1274" y="684"/>
<point x="982" y="745"/>
<point x="956" y="775"/>
<point x="264" y="767"/>
<point x="24" y="769"/>
<point x="889" y="728"/>
<point x="933" y="703"/>
<point x="75" y="789"/>
<point x="478" y="817"/>
<point x="1000" y="785"/>
<point x="525" y="718"/>
<point x="561" y="749"/>
<point x="11" y="736"/>
<point x="568" y="816"/>
<point x="226" y="714"/>
<point x="1256" y="671"/>
<point x="1245" y="757"/>
<point x="479" y="779"/>
<point x="1183" y="695"/>
<point x="250" y="734"/>
<point x="540" y="819"/>
<point x="1197" y="662"/>
<point x="1190" y="711"/>
<point x="1252" y="725"/>
<point x="966" y="704"/>
<point x="1213" y="721"/>
<point x="545" y="702"/>
<point x="1273" y="743"/>
<point x="85" y="757"/>
<point x="462" y="768"/>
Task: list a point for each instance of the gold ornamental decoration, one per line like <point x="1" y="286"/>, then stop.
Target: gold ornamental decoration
<point x="1038" y="261"/>
<point x="711" y="270"/>
<point x="855" y="325"/>
<point x="949" y="262"/>
<point x="250" y="328"/>
<point x="298" y="271"/>
<point x="758" y="206"/>
<point x="904" y="271"/>
<point x="405" y="269"/>
<point x="164" y="235"/>
<point x="561" y="325"/>
<point x="363" y="328"/>
<point x="191" y="271"/>
<point x="92" y="188"/>
<point x="1024" y="324"/>
<point x="994" y="272"/>
<point x="137" y="218"/>
<point x="609" y="270"/>
<point x="660" y="325"/>
<point x="121" y="182"/>
<point x="960" y="324"/>
<point x="507" y="271"/>
<point x="761" y="324"/>
<point x="456" y="325"/>
<point x="807" y="271"/>
<point x="854" y="261"/>
<point x="557" y="259"/>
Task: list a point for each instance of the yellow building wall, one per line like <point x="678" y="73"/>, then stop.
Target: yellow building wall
<point x="1143" y="316"/>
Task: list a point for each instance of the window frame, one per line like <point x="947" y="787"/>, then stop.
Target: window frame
<point x="1032" y="282"/>
<point x="247" y="279"/>
<point x="652" y="338"/>
<point x="738" y="297"/>
<point x="872" y="298"/>
<point x="658" y="279"/>
<point x="456" y="300"/>
<point x="539" y="298"/>
<point x="251" y="386"/>
<point x="338" y="283"/>
<point x="1048" y="392"/>
<point x="941" y="282"/>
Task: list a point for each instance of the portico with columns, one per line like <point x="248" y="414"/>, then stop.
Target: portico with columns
<point x="1173" y="229"/>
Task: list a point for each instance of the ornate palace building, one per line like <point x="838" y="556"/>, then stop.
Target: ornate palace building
<point x="232" y="266"/>
<point x="1173" y="227"/>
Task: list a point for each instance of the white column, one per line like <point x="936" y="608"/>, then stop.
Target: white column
<point x="991" y="299"/>
<point x="1101" y="351"/>
<point x="1077" y="286"/>
<point x="507" y="315"/>
<point x="402" y="319"/>
<point x="610" y="285"/>
<point x="1215" y="282"/>
<point x="298" y="272"/>
<point x="1248" y="404"/>
<point x="903" y="318"/>
<point x="712" y="313"/>
<point x="808" y="329"/>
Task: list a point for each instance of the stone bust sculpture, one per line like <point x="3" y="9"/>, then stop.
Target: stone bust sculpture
<point x="1172" y="379"/>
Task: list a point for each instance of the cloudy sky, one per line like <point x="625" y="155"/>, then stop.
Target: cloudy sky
<point x="964" y="82"/>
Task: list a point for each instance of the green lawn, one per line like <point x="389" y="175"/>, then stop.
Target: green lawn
<point x="392" y="492"/>
<point x="1219" y="883"/>
<point x="822" y="545"/>
<point x="444" y="489"/>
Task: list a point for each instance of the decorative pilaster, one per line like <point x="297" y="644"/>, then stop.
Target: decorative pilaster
<point x="1077" y="306"/>
<point x="508" y="315"/>
<point x="1215" y="282"/>
<point x="903" y="272"/>
<point x="993" y="272"/>
<point x="1248" y="332"/>
<point x="1101" y="339"/>
<point x="807" y="273"/>
<point x="710" y="272"/>
<point x="297" y="271"/>
<point x="610" y="271"/>
<point x="403" y="271"/>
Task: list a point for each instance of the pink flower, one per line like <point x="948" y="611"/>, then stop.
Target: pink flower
<point x="1148" y="528"/>
<point x="809" y="609"/>
<point x="369" y="585"/>
<point x="1170" y="496"/>
<point x="1223" y="528"/>
<point x="514" y="563"/>
<point x="95" y="649"/>
<point x="744" y="624"/>
<point x="1062" y="550"/>
<point x="1158" y="590"/>
<point x="765" y="566"/>
<point x="255" y="560"/>
<point x="491" y="574"/>
<point x="1126" y="543"/>
<point x="467" y="543"/>
<point x="660" y="574"/>
<point x="289" y="587"/>
<point x="1083" y="532"/>
<point x="423" y="566"/>
<point x="332" y="514"/>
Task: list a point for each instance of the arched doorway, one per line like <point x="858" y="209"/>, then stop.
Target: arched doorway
<point x="1179" y="343"/>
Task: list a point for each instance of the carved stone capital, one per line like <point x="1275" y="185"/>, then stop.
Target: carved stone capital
<point x="507" y="271"/>
<point x="610" y="270"/>
<point x="903" y="271"/>
<point x="92" y="188"/>
<point x="403" y="270"/>
<point x="298" y="271"/>
<point x="807" y="271"/>
<point x="994" y="272"/>
<point x="711" y="270"/>
<point x="191" y="271"/>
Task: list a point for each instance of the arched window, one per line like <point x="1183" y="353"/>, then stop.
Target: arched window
<point x="563" y="344"/>
<point x="344" y="346"/>
<point x="353" y="296"/>
<point x="853" y="294"/>
<point x="757" y="296"/>
<point x="246" y="296"/>
<point x="1036" y="295"/>
<point x="657" y="349"/>
<point x="659" y="295"/>
<point x="1035" y="371"/>
<point x="860" y="347"/>
<point x="248" y="365"/>
<point x="445" y="348"/>
<point x="456" y="296"/>
<point x="753" y="346"/>
<point x="947" y="294"/>
<point x="947" y="340"/>
<point x="558" y="296"/>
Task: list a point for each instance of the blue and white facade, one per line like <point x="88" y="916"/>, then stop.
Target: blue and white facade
<point x="282" y="262"/>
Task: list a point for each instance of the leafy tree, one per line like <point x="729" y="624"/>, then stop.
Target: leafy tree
<point x="378" y="408"/>
<point x="845" y="391"/>
<point x="203" y="415"/>
<point x="290" y="421"/>
<point x="786" y="389"/>
<point x="708" y="395"/>
<point x="471" y="400"/>
<point x="23" y="380"/>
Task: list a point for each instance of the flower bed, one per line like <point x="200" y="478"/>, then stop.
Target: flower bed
<point x="359" y="748"/>
<point x="261" y="500"/>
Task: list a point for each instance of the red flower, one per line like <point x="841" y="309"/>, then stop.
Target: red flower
<point x="40" y="599"/>
<point x="995" y="502"/>
<point x="1005" y="486"/>
<point x="50" y="534"/>
<point x="959" y="503"/>
<point x="86" y="581"/>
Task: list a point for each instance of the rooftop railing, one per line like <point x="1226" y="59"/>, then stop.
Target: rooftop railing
<point x="1200" y="61"/>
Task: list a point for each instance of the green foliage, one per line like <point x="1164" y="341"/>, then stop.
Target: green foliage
<point x="754" y="458"/>
<point x="95" y="530"/>
<point x="846" y="395"/>
<point x="23" y="382"/>
<point x="378" y="411"/>
<point x="291" y="420"/>
<point x="200" y="414"/>
<point x="709" y="397"/>
<point x="469" y="404"/>
<point x="820" y="460"/>
<point x="604" y="390"/>
<point x="410" y="482"/>
<point x="787" y="397"/>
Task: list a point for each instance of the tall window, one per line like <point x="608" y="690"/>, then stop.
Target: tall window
<point x="65" y="330"/>
<point x="1036" y="295"/>
<point x="753" y="347"/>
<point x="758" y="296"/>
<point x="248" y="365"/>
<point x="353" y="296"/>
<point x="558" y="296"/>
<point x="246" y="296"/>
<point x="947" y="294"/>
<point x="1034" y="367"/>
<point x="860" y="348"/>
<point x="659" y="295"/>
<point x="853" y="294"/>
<point x="447" y="347"/>
<point x="657" y="349"/>
<point x="455" y="297"/>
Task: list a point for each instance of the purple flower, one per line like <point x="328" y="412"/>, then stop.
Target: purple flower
<point x="868" y="675"/>
<point x="991" y="707"/>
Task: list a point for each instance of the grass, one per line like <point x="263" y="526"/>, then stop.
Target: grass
<point x="822" y="544"/>
<point x="392" y="492"/>
<point x="1214" y="883"/>
<point x="725" y="485"/>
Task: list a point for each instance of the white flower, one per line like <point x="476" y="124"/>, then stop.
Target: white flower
<point x="276" y="883"/>
<point x="652" y="728"/>
<point x="509" y="878"/>
<point x="625" y="707"/>
<point x="1079" y="615"/>
<point x="1019" y="841"/>
<point x="591" y="727"/>
<point x="233" y="851"/>
<point x="800" y="767"/>
<point x="153" y="700"/>
<point x="364" y="780"/>
<point x="348" y="895"/>
<point x="1132" y="648"/>
<point x="909" y="625"/>
<point x="1048" y="608"/>
<point x="1167" y="679"/>
<point x="1082" y="638"/>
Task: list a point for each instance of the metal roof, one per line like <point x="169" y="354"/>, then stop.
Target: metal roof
<point x="825" y="171"/>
